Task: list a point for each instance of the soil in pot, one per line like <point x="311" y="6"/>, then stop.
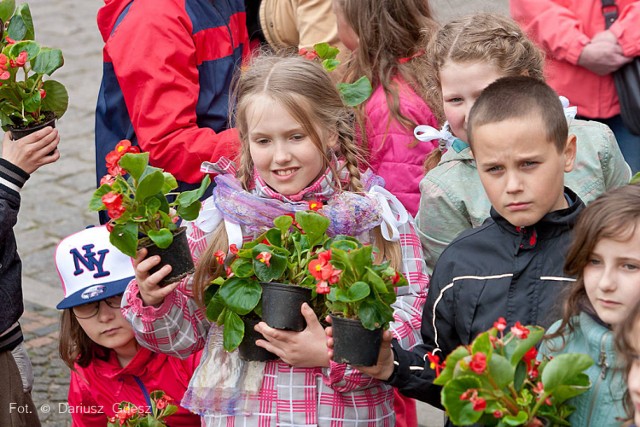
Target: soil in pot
<point x="281" y="305"/>
<point x="353" y="344"/>
<point x="21" y="131"/>
<point x="177" y="255"/>
<point x="248" y="350"/>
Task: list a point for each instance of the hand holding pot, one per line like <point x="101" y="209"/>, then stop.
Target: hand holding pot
<point x="305" y="349"/>
<point x="383" y="369"/>
<point x="150" y="292"/>
<point x="32" y="151"/>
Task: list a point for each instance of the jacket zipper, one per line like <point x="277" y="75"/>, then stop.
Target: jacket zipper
<point x="602" y="361"/>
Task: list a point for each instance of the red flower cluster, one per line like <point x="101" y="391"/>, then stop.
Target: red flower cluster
<point x="308" y="54"/>
<point x="479" y="403"/>
<point x="324" y="272"/>
<point x="478" y="363"/>
<point x="520" y="331"/>
<point x="123" y="147"/>
<point x="434" y="363"/>
<point x="4" y="69"/>
<point x="113" y="202"/>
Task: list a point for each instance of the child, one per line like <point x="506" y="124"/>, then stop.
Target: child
<point x="385" y="37"/>
<point x="297" y="147"/>
<point x="465" y="56"/>
<point x="605" y="259"/>
<point x="19" y="159"/>
<point x="628" y="346"/>
<point x="96" y="342"/>
<point x="511" y="266"/>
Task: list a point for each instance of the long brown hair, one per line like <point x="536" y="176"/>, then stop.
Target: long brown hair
<point x="390" y="40"/>
<point x="306" y="91"/>
<point x="484" y="37"/>
<point x="613" y="215"/>
<point x="626" y="338"/>
<point x="75" y="346"/>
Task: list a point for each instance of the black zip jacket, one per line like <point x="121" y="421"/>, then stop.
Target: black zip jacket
<point x="12" y="178"/>
<point x="495" y="270"/>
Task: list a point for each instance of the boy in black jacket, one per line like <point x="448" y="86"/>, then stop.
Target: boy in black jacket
<point x="512" y="265"/>
<point x="19" y="159"/>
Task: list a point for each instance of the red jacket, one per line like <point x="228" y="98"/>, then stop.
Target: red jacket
<point x="563" y="28"/>
<point x="96" y="391"/>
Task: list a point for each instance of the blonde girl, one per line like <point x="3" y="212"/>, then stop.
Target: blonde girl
<point x="297" y="147"/>
<point x="385" y="39"/>
<point x="605" y="260"/>
<point x="465" y="56"/>
<point x="627" y="339"/>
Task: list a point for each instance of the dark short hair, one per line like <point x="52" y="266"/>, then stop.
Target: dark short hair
<point x="520" y="97"/>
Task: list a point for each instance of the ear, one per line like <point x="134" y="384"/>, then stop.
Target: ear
<point x="570" y="150"/>
<point x="332" y="140"/>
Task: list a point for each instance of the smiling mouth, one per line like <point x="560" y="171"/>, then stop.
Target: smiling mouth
<point x="108" y="331"/>
<point x="284" y="172"/>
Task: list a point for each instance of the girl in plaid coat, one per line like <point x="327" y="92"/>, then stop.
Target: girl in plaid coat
<point x="297" y="148"/>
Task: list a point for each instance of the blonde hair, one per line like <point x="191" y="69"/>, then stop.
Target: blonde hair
<point x="307" y="92"/>
<point x="389" y="33"/>
<point x="485" y="37"/>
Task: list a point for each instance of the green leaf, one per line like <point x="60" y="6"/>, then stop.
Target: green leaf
<point x="134" y="164"/>
<point x="21" y="24"/>
<point x="500" y="370"/>
<point x="460" y="411"/>
<point x="31" y="47"/>
<point x="573" y="387"/>
<point x="240" y="295"/>
<point x="47" y="61"/>
<point x="374" y="314"/>
<point x="482" y="343"/>
<point x="283" y="223"/>
<point x="277" y="263"/>
<point x="170" y="182"/>
<point x="325" y="50"/>
<point x="330" y="64"/>
<point x="149" y="186"/>
<point x="125" y="238"/>
<point x="516" y="348"/>
<point x="214" y="306"/>
<point x="187" y="198"/>
<point x="190" y="212"/>
<point x="313" y="224"/>
<point x="6" y="9"/>
<point x="233" y="331"/>
<point x="518" y="420"/>
<point x="31" y="102"/>
<point x="354" y="94"/>
<point x="274" y="236"/>
<point x="354" y="293"/>
<point x="95" y="204"/>
<point x="162" y="238"/>
<point x="242" y="267"/>
<point x="635" y="179"/>
<point x="562" y="368"/>
<point x="57" y="98"/>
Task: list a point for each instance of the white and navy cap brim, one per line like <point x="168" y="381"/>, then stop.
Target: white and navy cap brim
<point x="91" y="268"/>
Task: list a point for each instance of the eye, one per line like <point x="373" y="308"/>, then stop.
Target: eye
<point x="630" y="267"/>
<point x="453" y="100"/>
<point x="529" y="164"/>
<point x="494" y="170"/>
<point x="261" y="141"/>
<point x="298" y="137"/>
<point x="593" y="261"/>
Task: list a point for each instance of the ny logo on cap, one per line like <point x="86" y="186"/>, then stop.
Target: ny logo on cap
<point x="90" y="261"/>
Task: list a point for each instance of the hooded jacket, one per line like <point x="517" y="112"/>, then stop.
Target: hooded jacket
<point x="453" y="199"/>
<point x="496" y="270"/>
<point x="96" y="391"/>
<point x="167" y="70"/>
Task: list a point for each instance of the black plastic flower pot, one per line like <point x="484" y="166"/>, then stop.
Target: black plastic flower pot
<point x="281" y="305"/>
<point x="177" y="255"/>
<point x="18" y="132"/>
<point x="248" y="350"/>
<point x="353" y="344"/>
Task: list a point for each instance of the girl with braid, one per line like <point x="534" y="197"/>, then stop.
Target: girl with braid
<point x="297" y="148"/>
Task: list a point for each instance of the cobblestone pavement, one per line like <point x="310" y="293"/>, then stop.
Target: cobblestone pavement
<point x="54" y="200"/>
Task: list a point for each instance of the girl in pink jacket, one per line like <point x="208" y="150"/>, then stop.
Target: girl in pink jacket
<point x="385" y="40"/>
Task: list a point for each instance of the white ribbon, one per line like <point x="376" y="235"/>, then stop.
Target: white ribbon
<point x="209" y="219"/>
<point x="569" y="112"/>
<point x="426" y="133"/>
<point x="394" y="213"/>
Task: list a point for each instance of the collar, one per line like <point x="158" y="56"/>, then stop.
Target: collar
<point x="552" y="224"/>
<point x="111" y="368"/>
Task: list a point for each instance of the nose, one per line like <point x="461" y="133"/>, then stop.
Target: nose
<point x="514" y="182"/>
<point x="606" y="281"/>
<point x="105" y="313"/>
<point x="282" y="154"/>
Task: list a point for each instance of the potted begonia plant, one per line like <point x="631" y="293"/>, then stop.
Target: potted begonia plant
<point x="28" y="101"/>
<point x="144" y="210"/>
<point x="499" y="380"/>
<point x="130" y="415"/>
<point x="360" y="295"/>
<point x="268" y="277"/>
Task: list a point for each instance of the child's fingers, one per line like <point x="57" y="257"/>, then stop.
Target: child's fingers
<point x="146" y="264"/>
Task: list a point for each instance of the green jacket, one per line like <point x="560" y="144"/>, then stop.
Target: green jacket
<point x="453" y="199"/>
<point x="602" y="405"/>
